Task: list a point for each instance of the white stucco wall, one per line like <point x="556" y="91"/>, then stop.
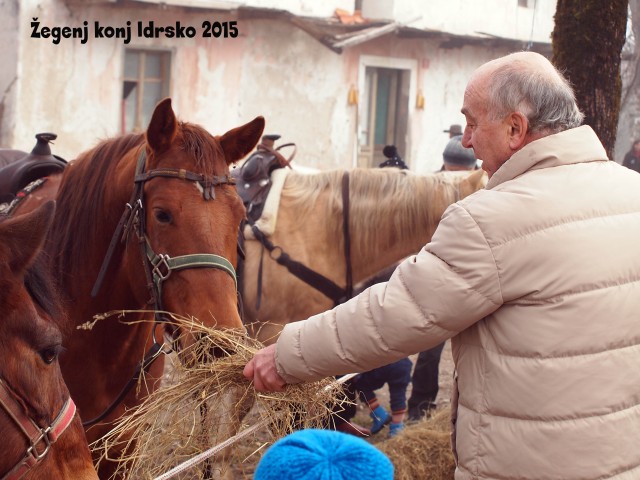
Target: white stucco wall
<point x="442" y="76"/>
<point x="443" y="100"/>
<point x="75" y="89"/>
<point x="272" y="69"/>
<point x="500" y="18"/>
<point x="71" y="89"/>
<point x="9" y="84"/>
<point x="310" y="8"/>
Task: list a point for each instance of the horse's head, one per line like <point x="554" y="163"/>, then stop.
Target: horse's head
<point x="193" y="214"/>
<point x="33" y="395"/>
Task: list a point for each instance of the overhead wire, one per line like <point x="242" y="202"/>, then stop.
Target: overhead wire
<point x="533" y="22"/>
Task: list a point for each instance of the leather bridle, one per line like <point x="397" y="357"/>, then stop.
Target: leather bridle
<point x="40" y="438"/>
<point x="312" y="278"/>
<point x="158" y="266"/>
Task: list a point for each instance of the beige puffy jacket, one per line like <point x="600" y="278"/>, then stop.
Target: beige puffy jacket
<point x="537" y="279"/>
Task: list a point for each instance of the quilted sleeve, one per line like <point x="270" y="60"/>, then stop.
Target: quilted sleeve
<point x="449" y="285"/>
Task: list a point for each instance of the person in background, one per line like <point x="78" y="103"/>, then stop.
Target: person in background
<point x="342" y="420"/>
<point x="454" y="130"/>
<point x="425" y="378"/>
<point x="456" y="157"/>
<point x="393" y="158"/>
<point x="396" y="376"/>
<point x="536" y="281"/>
<point x="323" y="455"/>
<point x="632" y="157"/>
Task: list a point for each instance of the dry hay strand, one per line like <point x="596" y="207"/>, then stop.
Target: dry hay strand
<point x="440" y="420"/>
<point x="422" y="450"/>
<point x="203" y="404"/>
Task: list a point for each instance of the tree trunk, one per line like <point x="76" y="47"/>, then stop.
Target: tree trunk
<point x="629" y="118"/>
<point x="587" y="41"/>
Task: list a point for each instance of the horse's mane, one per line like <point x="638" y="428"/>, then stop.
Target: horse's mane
<point x="80" y="210"/>
<point x="81" y="213"/>
<point x="385" y="204"/>
<point x="41" y="286"/>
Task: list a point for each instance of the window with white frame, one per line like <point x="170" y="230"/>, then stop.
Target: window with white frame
<point x="145" y="83"/>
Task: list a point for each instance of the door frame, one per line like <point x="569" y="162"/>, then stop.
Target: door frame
<point x="408" y="64"/>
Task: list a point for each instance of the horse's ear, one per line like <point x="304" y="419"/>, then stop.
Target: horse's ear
<point x="477" y="180"/>
<point x="24" y="236"/>
<point x="240" y="141"/>
<point x="163" y="127"/>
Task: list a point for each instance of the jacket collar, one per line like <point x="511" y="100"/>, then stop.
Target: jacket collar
<point x="577" y="145"/>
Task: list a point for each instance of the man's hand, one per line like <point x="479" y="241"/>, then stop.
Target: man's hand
<point x="262" y="370"/>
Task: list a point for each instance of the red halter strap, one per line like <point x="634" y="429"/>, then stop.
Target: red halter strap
<point x="40" y="439"/>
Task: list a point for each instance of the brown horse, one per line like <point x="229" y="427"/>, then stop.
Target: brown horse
<point x="42" y="436"/>
<point x="174" y="249"/>
<point x="392" y="214"/>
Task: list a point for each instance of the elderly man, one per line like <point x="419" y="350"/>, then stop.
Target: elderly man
<point x="537" y="281"/>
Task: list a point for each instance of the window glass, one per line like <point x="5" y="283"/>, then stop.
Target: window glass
<point x="152" y="94"/>
<point x="152" y="65"/>
<point x="145" y="83"/>
<point x="131" y="61"/>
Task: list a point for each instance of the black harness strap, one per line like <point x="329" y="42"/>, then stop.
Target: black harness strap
<point x="126" y="215"/>
<point x="259" y="285"/>
<point x="345" y="233"/>
<point x="304" y="273"/>
<point x="316" y="280"/>
<point x="154" y="352"/>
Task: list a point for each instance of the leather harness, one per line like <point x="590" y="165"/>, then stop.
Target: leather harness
<point x="20" y="169"/>
<point x="157" y="267"/>
<point x="253" y="185"/>
<point x="22" y="175"/>
<point x="312" y="278"/>
<point x="316" y="280"/>
<point x="253" y="178"/>
<point x="40" y="438"/>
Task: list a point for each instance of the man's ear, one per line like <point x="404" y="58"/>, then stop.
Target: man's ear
<point x="518" y="128"/>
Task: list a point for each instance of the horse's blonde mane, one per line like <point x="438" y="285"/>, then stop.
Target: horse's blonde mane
<point x="385" y="204"/>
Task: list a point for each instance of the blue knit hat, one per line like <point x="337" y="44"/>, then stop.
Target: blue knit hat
<point x="323" y="455"/>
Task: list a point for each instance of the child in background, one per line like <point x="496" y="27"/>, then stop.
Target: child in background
<point x="397" y="376"/>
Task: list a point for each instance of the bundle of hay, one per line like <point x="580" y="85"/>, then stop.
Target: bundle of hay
<point x="423" y="450"/>
<point x="203" y="401"/>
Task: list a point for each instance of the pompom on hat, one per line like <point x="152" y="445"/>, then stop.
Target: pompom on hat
<point x="393" y="159"/>
<point x="314" y="454"/>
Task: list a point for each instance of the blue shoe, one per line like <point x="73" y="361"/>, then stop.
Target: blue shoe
<point x="380" y="418"/>
<point x="395" y="429"/>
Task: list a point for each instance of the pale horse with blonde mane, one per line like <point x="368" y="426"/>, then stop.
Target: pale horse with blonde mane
<point x="392" y="214"/>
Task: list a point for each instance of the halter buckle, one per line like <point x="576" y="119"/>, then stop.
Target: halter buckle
<point x="44" y="437"/>
<point x="161" y="268"/>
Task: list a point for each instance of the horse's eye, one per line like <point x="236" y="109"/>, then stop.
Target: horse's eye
<point x="163" y="216"/>
<point x="50" y="354"/>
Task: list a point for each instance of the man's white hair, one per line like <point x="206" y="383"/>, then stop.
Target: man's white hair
<point x="530" y="84"/>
